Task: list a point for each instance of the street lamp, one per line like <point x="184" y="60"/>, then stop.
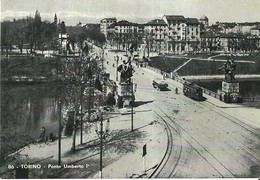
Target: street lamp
<point x="102" y="53"/>
<point x="102" y="134"/>
<point x="60" y="129"/>
<point x="116" y="59"/>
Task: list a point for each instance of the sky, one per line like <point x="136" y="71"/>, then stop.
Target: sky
<point x="140" y="11"/>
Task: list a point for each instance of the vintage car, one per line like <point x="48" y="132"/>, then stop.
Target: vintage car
<point x="160" y="84"/>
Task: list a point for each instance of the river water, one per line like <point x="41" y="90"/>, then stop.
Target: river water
<point x="27" y="108"/>
<point x="246" y="88"/>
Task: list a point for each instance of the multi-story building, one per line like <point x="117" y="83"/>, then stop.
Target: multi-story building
<point x="123" y="33"/>
<point x="155" y="35"/>
<point x="244" y="28"/>
<point x="227" y="27"/>
<point x="255" y="31"/>
<point x="204" y="20"/>
<point x="105" y="23"/>
<point x="175" y="33"/>
<point x="238" y="28"/>
<point x="183" y="33"/>
<point x="125" y="27"/>
<point x="192" y="34"/>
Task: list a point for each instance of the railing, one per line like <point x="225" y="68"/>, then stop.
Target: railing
<point x="206" y="91"/>
<point x="241" y="77"/>
<point x="211" y="93"/>
<point x="251" y="99"/>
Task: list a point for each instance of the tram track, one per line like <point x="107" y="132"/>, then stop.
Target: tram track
<point x="160" y="167"/>
<point x="234" y="120"/>
<point x="217" y="163"/>
<point x="221" y="169"/>
<point x="231" y="138"/>
<point x="209" y="158"/>
<point x="231" y="142"/>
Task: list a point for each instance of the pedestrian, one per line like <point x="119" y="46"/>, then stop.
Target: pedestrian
<point x="43" y="136"/>
<point x="113" y="65"/>
<point x="176" y="90"/>
<point x="163" y="74"/>
<point x="51" y="137"/>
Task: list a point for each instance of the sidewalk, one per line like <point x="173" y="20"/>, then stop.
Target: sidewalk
<point x="151" y="133"/>
<point x="130" y="165"/>
<point x="122" y="149"/>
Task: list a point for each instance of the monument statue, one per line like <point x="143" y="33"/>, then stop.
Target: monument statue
<point x="85" y="49"/>
<point x="126" y="71"/>
<point x="62" y="27"/>
<point x="229" y="67"/>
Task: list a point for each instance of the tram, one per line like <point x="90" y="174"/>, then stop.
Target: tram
<point x="193" y="91"/>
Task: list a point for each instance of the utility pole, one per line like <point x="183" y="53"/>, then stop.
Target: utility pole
<point x="132" y="105"/>
<point x="117" y="59"/>
<point x="101" y="133"/>
<point x="81" y="114"/>
<point x="132" y="97"/>
<point x="59" y="144"/>
<point x="101" y="145"/>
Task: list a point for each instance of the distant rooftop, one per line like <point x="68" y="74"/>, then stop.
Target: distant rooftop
<point x="204" y="18"/>
<point x="156" y="22"/>
<point x="175" y="17"/>
<point x="109" y="19"/>
<point x="192" y="21"/>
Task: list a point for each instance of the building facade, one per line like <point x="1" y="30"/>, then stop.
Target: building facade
<point x="183" y="33"/>
<point x="105" y="23"/>
<point x="155" y="35"/>
<point x="177" y="34"/>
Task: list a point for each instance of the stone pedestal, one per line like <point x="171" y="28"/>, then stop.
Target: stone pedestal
<point x="230" y="92"/>
<point x="230" y="87"/>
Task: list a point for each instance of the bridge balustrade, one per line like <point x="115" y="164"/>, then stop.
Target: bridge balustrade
<point x="206" y="91"/>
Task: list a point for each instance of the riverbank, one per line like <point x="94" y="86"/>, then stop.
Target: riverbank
<point x="195" y="66"/>
<point x="122" y="148"/>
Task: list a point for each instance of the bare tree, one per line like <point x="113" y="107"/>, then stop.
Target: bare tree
<point x="76" y="73"/>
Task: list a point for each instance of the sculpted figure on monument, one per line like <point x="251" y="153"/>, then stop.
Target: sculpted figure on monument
<point x="126" y="71"/>
<point x="229" y="67"/>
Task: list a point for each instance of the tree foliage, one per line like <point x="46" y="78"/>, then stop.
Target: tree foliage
<point x="29" y="31"/>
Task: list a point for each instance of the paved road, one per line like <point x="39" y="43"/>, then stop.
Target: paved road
<point x="205" y="141"/>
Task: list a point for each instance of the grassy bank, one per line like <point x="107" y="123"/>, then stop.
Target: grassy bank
<point x="27" y="66"/>
<point x="167" y="64"/>
<point x="204" y="67"/>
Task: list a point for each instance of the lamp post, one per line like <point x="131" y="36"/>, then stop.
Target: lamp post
<point x="81" y="114"/>
<point x="132" y="106"/>
<point x="102" y="56"/>
<point x="102" y="134"/>
<point x="59" y="143"/>
<point x="116" y="59"/>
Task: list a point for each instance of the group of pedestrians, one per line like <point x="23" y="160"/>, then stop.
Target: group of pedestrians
<point x="44" y="137"/>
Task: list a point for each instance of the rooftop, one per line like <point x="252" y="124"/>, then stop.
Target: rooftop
<point x="108" y="19"/>
<point x="192" y="21"/>
<point x="204" y="18"/>
<point x="175" y="17"/>
<point x="158" y="22"/>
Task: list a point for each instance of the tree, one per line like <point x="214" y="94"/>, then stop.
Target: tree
<point x="76" y="73"/>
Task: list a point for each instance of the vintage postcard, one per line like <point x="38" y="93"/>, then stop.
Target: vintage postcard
<point x="130" y="89"/>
